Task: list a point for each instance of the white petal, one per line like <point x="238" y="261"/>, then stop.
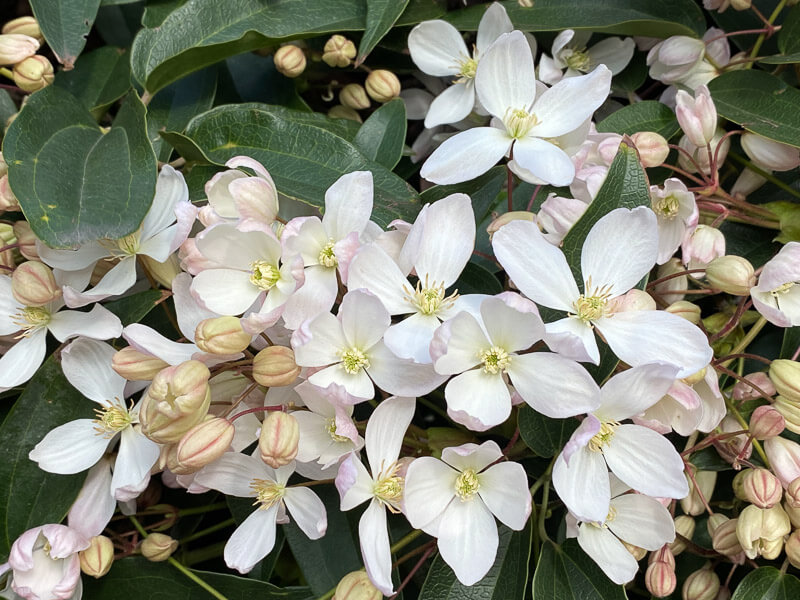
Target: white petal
<point x="149" y="341"/>
<point x="255" y="198"/>
<point x="399" y="376"/>
<point x="411" y="337"/>
<point x="325" y="343"/>
<point x="226" y="245"/>
<point x="472" y="456"/>
<point x="71" y="260"/>
<point x="574" y="339"/>
<point x="608" y="552"/>
<point x="633" y="391"/>
<point x="84" y="444"/>
<point x="437" y="48"/>
<point x="464" y="339"/>
<point x="642" y="521"/>
<point x="307" y="510"/>
<point x="478" y="400"/>
<point x="225" y="291"/>
<point x="117" y="281"/>
<point x="357" y="384"/>
<point x="494" y="22"/>
<point x="20" y="362"/>
<point x="188" y="311"/>
<point x="99" y="323"/>
<point x="452" y="105"/>
<point x="466" y="155"/>
<point x="87" y="366"/>
<point x="543" y="160"/>
<point x="504" y="490"/>
<point x="348" y="205"/>
<point x="364" y="319"/>
<point x="468" y="539"/>
<point x="231" y="474"/>
<point x="429" y="488"/>
<point x="385" y="430"/>
<point x="161" y="245"/>
<point x="353" y="482"/>
<point x="615" y="53"/>
<point x="444" y="250"/>
<point x="509" y="328"/>
<point x="252" y="540"/>
<point x="374" y="270"/>
<point x="94" y="506"/>
<point x="170" y="190"/>
<point x="583" y="484"/>
<point x="505" y="77"/>
<point x="135" y="456"/>
<point x="9" y="307"/>
<point x="374" y="537"/>
<point x="317" y="295"/>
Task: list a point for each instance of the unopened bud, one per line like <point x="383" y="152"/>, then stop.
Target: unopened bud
<point x="8" y="201"/>
<point x="340" y="111"/>
<point x="761" y="488"/>
<point x="652" y="147"/>
<point x="741" y="4"/>
<point x="663" y="554"/>
<point x="685" y="310"/>
<point x="26" y="240"/>
<point x="33" y="284"/>
<point x="792" y="548"/>
<point x="769" y="154"/>
<point x="356" y="586"/>
<point x="794" y="514"/>
<point x="274" y="366"/>
<point x="339" y="51"/>
<point x="793" y="493"/>
<point x="7" y="238"/>
<point x="25" y="26"/>
<point x="701" y="585"/>
<point x="724" y="539"/>
<point x="743" y="391"/>
<point x="715" y="521"/>
<point x="697" y="116"/>
<point x="701" y="247"/>
<point x="355" y="96"/>
<point x="158" y="547"/>
<point x="684" y="525"/>
<point x="636" y="552"/>
<point x="136" y="366"/>
<point x="761" y="530"/>
<point x="33" y="73"/>
<point x="693" y="503"/>
<point x="97" y="559"/>
<point x="16" y="47"/>
<point x="382" y="85"/>
<point x="736" y="448"/>
<point x="277" y="442"/>
<point x="790" y="411"/>
<point x="660" y="579"/>
<point x="677" y="283"/>
<point x="731" y="274"/>
<point x="784" y="458"/>
<point x="290" y="60"/>
<point x="785" y="375"/>
<point x="505" y="218"/>
<point x="221" y="335"/>
<point x="162" y="272"/>
<point x="205" y="442"/>
<point x="766" y="423"/>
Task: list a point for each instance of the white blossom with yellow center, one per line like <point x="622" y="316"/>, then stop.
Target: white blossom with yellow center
<point x="571" y="57"/>
<point x="676" y="212"/>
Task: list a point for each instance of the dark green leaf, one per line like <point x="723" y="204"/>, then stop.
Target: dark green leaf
<point x="475" y="279"/>
<point x="65" y="25"/>
<point x="756" y="244"/>
<point x="254" y="78"/>
<point x="544" y="435"/>
<point x="648" y="115"/>
<point x="791" y="342"/>
<point x="7" y="109"/>
<point x="102" y="77"/>
<point x="133" y="308"/>
<point x="789" y="35"/>
<point x="741" y="20"/>
<point x="567" y="573"/>
<point x="383" y="134"/>
<point x="789" y="215"/>
<point x="116" y="2"/>
<point x="760" y="103"/>
<point x="30" y="497"/>
<point x="303" y="158"/>
<point x="657" y="18"/>
<point x="767" y="583"/>
<point x="381" y="15"/>
<point x="506" y="580"/>
<point x="76" y="182"/>
<point x="135" y="578"/>
<point x="157" y="10"/>
<point x="781" y="59"/>
<point x="633" y="76"/>
<point x="422" y="10"/>
<point x="117" y="24"/>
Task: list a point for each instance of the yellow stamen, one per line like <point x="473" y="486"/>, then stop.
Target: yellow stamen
<point x="353" y="360"/>
<point x="267" y="492"/>
<point x="264" y="275"/>
<point x="603" y="437"/>
<point x="429" y="298"/>
<point x="495" y="360"/>
<point x="327" y="257"/>
<point x="467" y="485"/>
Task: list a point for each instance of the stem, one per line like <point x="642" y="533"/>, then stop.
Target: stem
<point x="255" y="410"/>
<point x="733" y="322"/>
<point x="741" y="346"/>
<point x="241" y="397"/>
<point x="405" y="541"/>
<point x="770" y="28"/>
<point x="744" y="424"/>
<point x="510" y="203"/>
<point x="543" y="515"/>
<point x="203" y="532"/>
<point x="7" y="73"/>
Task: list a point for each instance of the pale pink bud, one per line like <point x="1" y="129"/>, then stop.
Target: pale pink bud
<point x="33" y="284"/>
<point x="274" y="366"/>
<point x="715" y="521"/>
<point x="26" y="240"/>
<point x="221" y="335"/>
<point x="793" y="493"/>
<point x="15" y="47"/>
<point x="205" y="442"/>
<point x="557" y="215"/>
<point x="338" y="51"/>
<point x="762" y="488"/>
<point x="24" y="25"/>
<point x="731" y="274"/>
<point x="608" y="147"/>
<point x="702" y="246"/>
<point x="701" y="585"/>
<point x="686" y="310"/>
<point x="356" y="586"/>
<point x="793" y="548"/>
<point x="673" y="59"/>
<point x="634" y="299"/>
<point x="790" y="411"/>
<point x="766" y="423"/>
<point x="290" y="61"/>
<point x="736" y="448"/>
<point x="635" y="551"/>
<point x="277" y="442"/>
<point x="761" y="530"/>
<point x="136" y="366"/>
<point x="7" y="238"/>
<point x="660" y="579"/>
<point x="355" y="96"/>
<point x="741" y="4"/>
<point x="8" y="201"/>
<point x="158" y="547"/>
<point x="693" y="503"/>
<point x="505" y="218"/>
<point x="794" y="514"/>
<point x="663" y="554"/>
<point x="784" y="458"/>
<point x="742" y="391"/>
<point x="652" y="147"/>
<point x="768" y="154"/>
<point x="697" y="116"/>
<point x="785" y="374"/>
<point x="97" y="559"/>
<point x="724" y="539"/>
<point x="684" y="525"/>
<point x="33" y="73"/>
<point x="382" y="85"/>
<point x="719" y="147"/>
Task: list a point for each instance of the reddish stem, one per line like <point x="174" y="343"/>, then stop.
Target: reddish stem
<point x="255" y="410"/>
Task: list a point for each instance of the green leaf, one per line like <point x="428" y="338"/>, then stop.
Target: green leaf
<point x="475" y="279"/>
<point x="506" y="580"/>
<point x="421" y="10"/>
<point x="65" y="25"/>
<point x="383" y="134"/>
<point x="657" y="18"/>
<point x="381" y="15"/>
<point x="781" y="59"/>
<point x="76" y="182"/>
<point x="304" y="158"/>
<point x="708" y="459"/>
<point x="544" y="435"/>
<point x="760" y="103"/>
<point x="789" y="35"/>
<point x="756" y="244"/>
<point x="567" y="573"/>
<point x="791" y="342"/>
<point x="254" y="78"/>
<point x="7" y="109"/>
<point x="133" y="308"/>
<point x="633" y="76"/>
<point x="135" y="578"/>
<point x="30" y="497"/>
<point x="648" y="115"/>
<point x="767" y="583"/>
<point x="789" y="215"/>
<point x="103" y="77"/>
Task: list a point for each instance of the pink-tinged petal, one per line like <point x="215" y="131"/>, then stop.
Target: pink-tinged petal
<point x="317" y="295"/>
<point x="466" y="155"/>
<point x="374" y="270"/>
<point x="345" y="249"/>
<point x="99" y="323"/>
<point x="783" y="267"/>
<point x="94" y="506"/>
<point x="765" y="303"/>
<point x="135" y="457"/>
<point x="580" y="438"/>
<point x="566" y="105"/>
<point x="255" y="199"/>
<point x="536" y="267"/>
<point x="444" y="250"/>
<point x="149" y="341"/>
<point x="364" y="319"/>
<point x="468" y="539"/>
<point x="9" y="307"/>
<point x="385" y="430"/>
<point x="236" y="249"/>
<point x="171" y="190"/>
<point x="225" y="291"/>
<point x="71" y="260"/>
<point x="505" y="78"/>
<point x="373" y="535"/>
<point x="187" y="310"/>
<point x="504" y="490"/>
<point x="437" y="48"/>
<point x="553" y="385"/>
<point x="85" y="446"/>
<point x="452" y="105"/>
<point x="641" y="337"/>
<point x="87" y="366"/>
<point x="161" y="245"/>
<point x="307" y="510"/>
<point x="641" y="521"/>
<point x="509" y="328"/>
<point x="411" y="337"/>
<point x="231" y="474"/>
<point x="615" y="53"/>
<point x="583" y="484"/>
<point x="353" y="482"/>
<point x="620" y="249"/>
<point x="117" y="281"/>
<point x="252" y="540"/>
<point x="494" y="23"/>
<point x="646" y="461"/>
<point x="472" y="456"/>
<point x="429" y="488"/>
<point x="357" y="384"/>
<point x="542" y="160"/>
<point x="187" y="214"/>
<point x="478" y="400"/>
<point x="460" y="341"/>
<point x="574" y="339"/>
<point x="20" y="362"/>
<point x="634" y="391"/>
<point x="399" y="376"/>
<point x="348" y="205"/>
<point x="305" y="236"/>
<point x="608" y="552"/>
<point x="250" y="163"/>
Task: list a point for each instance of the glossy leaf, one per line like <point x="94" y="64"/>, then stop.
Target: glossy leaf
<point x="383" y="134"/>
<point x="75" y="181"/>
<point x="789" y="35"/>
<point x="781" y="59"/>
<point x="648" y="115"/>
<point x="566" y="573"/>
<point x="789" y="215"/>
<point x="791" y="342"/>
<point x="102" y="77"/>
<point x="544" y="435"/>
<point x="767" y="583"/>
<point x="27" y="497"/>
<point x="475" y="279"/>
<point x="381" y="15"/>
<point x="134" y="308"/>
<point x="65" y="25"/>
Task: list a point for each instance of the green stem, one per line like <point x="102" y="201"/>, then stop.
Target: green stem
<point x="751" y="334"/>
<point x="763" y="36"/>
<point x="203" y="532"/>
<point x="7" y="73"/>
<point x="198" y="510"/>
<point x="756" y="444"/>
<point x="427" y="403"/>
<point x="543" y="515"/>
<point x="203" y="554"/>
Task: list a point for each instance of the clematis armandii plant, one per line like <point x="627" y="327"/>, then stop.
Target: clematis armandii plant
<point x="618" y="252"/>
<point x="570" y="53"/>
<point x="777" y="294"/>
<point x="506" y="86"/>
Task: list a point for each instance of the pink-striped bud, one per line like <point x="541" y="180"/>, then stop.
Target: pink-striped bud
<point x="693" y="503"/>
<point x="33" y="284"/>
<point x="793" y="548"/>
<point x="684" y="525"/>
<point x="731" y="274"/>
<point x="685" y="310"/>
<point x="697" y="116"/>
<point x="793" y="493"/>
<point x="785" y="375"/>
<point x="743" y="391"/>
<point x="97" y="559"/>
<point x="277" y="442"/>
<point x="136" y="366"/>
<point x="26" y="240"/>
<point x="652" y="148"/>
<point x="766" y="423"/>
<point x="274" y="366"/>
<point x="25" y="26"/>
<point x="204" y="443"/>
<point x="701" y="585"/>
<point x="221" y="335"/>
<point x="15" y="47"/>
<point x="725" y="541"/>
<point x="356" y="586"/>
<point x="158" y="547"/>
<point x="761" y="488"/>
<point x="177" y="400"/>
<point x="660" y="579"/>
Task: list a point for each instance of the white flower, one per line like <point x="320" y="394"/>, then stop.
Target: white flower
<point x="506" y="87"/>
<point x="233" y="195"/>
<point x="777" y="294"/>
<point x="456" y="499"/>
<point x="619" y="250"/>
<point x="570" y="53"/>
<point x="676" y="211"/>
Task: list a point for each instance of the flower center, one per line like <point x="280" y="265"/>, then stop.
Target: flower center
<point x="603" y="437"/>
<point x="495" y="360"/>
<point x="267" y="492"/>
<point x="468" y="69"/>
<point x="389" y="486"/>
<point x="467" y="484"/>
<point x="592" y="305"/>
<point x="122" y="247"/>
<point x="111" y="420"/>
<point x="353" y="360"/>
<point x="780" y="290"/>
<point x="264" y="275"/>
<point x="519" y="122"/>
<point x="330" y="425"/>
<point x="429" y="298"/>
<point x="577" y="59"/>
<point x="31" y="318"/>
<point x="327" y="257"/>
<point x="666" y="207"/>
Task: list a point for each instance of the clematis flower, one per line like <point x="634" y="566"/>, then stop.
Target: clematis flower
<point x="233" y="195"/>
<point x="619" y="250"/>
<point x="569" y="52"/>
<point x="676" y="211"/>
<point x="457" y="498"/>
<point x="777" y="293"/>
<point x="506" y="86"/>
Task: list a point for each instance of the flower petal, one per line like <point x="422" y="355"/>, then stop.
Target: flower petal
<point x="307" y="510"/>
<point x="231" y="474"/>
<point x="364" y="319"/>
<point x="444" y="251"/>
<point x="641" y="521"/>
<point x="543" y="160"/>
<point x="374" y="270"/>
<point x="373" y="535"/>
<point x="504" y="490"/>
<point x="429" y="488"/>
<point x="411" y="337"/>
<point x="400" y="376"/>
<point x="633" y="391"/>
<point x="505" y="77"/>
<point x="583" y="485"/>
<point x="20" y="362"/>
<point x="466" y="155"/>
<point x="171" y="189"/>
<point x="468" y="539"/>
<point x="574" y="339"/>
<point x="348" y="205"/>
<point x="478" y="400"/>
<point x="608" y="552"/>
<point x="452" y="105"/>
<point x="225" y="291"/>
<point x="252" y="540"/>
<point x="472" y="456"/>
<point x="437" y="48"/>
<point x="494" y="23"/>
<point x="385" y="430"/>
<point x="95" y="505"/>
<point x="80" y="437"/>
<point x="87" y="366"/>
<point x="99" y="323"/>
<point x="117" y="281"/>
<point x="135" y="457"/>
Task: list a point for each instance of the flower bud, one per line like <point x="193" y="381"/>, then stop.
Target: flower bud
<point x="7" y="238"/>
<point x="16" y="47"/>
<point x="290" y="60"/>
<point x="652" y="147"/>
<point x="699" y="155"/>
<point x="162" y="272"/>
<point x="724" y="539"/>
<point x="356" y="586"/>
<point x="555" y="218"/>
<point x="277" y="442"/>
<point x="663" y="554"/>
<point x="736" y="448"/>
<point x="731" y="274"/>
<point x="784" y="458"/>
<point x="685" y="310"/>
<point x="636" y="552"/>
<point x="33" y="73"/>
<point x="761" y="530"/>
<point x="766" y="423"/>
<point x="693" y="503"/>
<point x="355" y="96"/>
<point x="684" y="525"/>
<point x="785" y="375"/>
<point x="97" y="559"/>
<point x="136" y="366"/>
<point x="768" y="154"/>
<point x="505" y="218"/>
<point x="205" y="442"/>
<point x="338" y="51"/>
<point x="741" y="4"/>
<point x="660" y="579"/>
<point x="274" y="366"/>
<point x="790" y="411"/>
<point x="221" y="335"/>
<point x="382" y="85"/>
<point x="26" y="240"/>
<point x="762" y="488"/>
<point x="794" y="514"/>
<point x="715" y="521"/>
<point x="8" y="201"/>
<point x="793" y="548"/>
<point x="340" y="111"/>
<point x="25" y="26"/>
<point x="742" y="391"/>
<point x="704" y="245"/>
<point x="697" y="116"/>
<point x="793" y="493"/>
<point x="33" y="284"/>
<point x="158" y="547"/>
<point x="701" y="585"/>
<point x="177" y="400"/>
